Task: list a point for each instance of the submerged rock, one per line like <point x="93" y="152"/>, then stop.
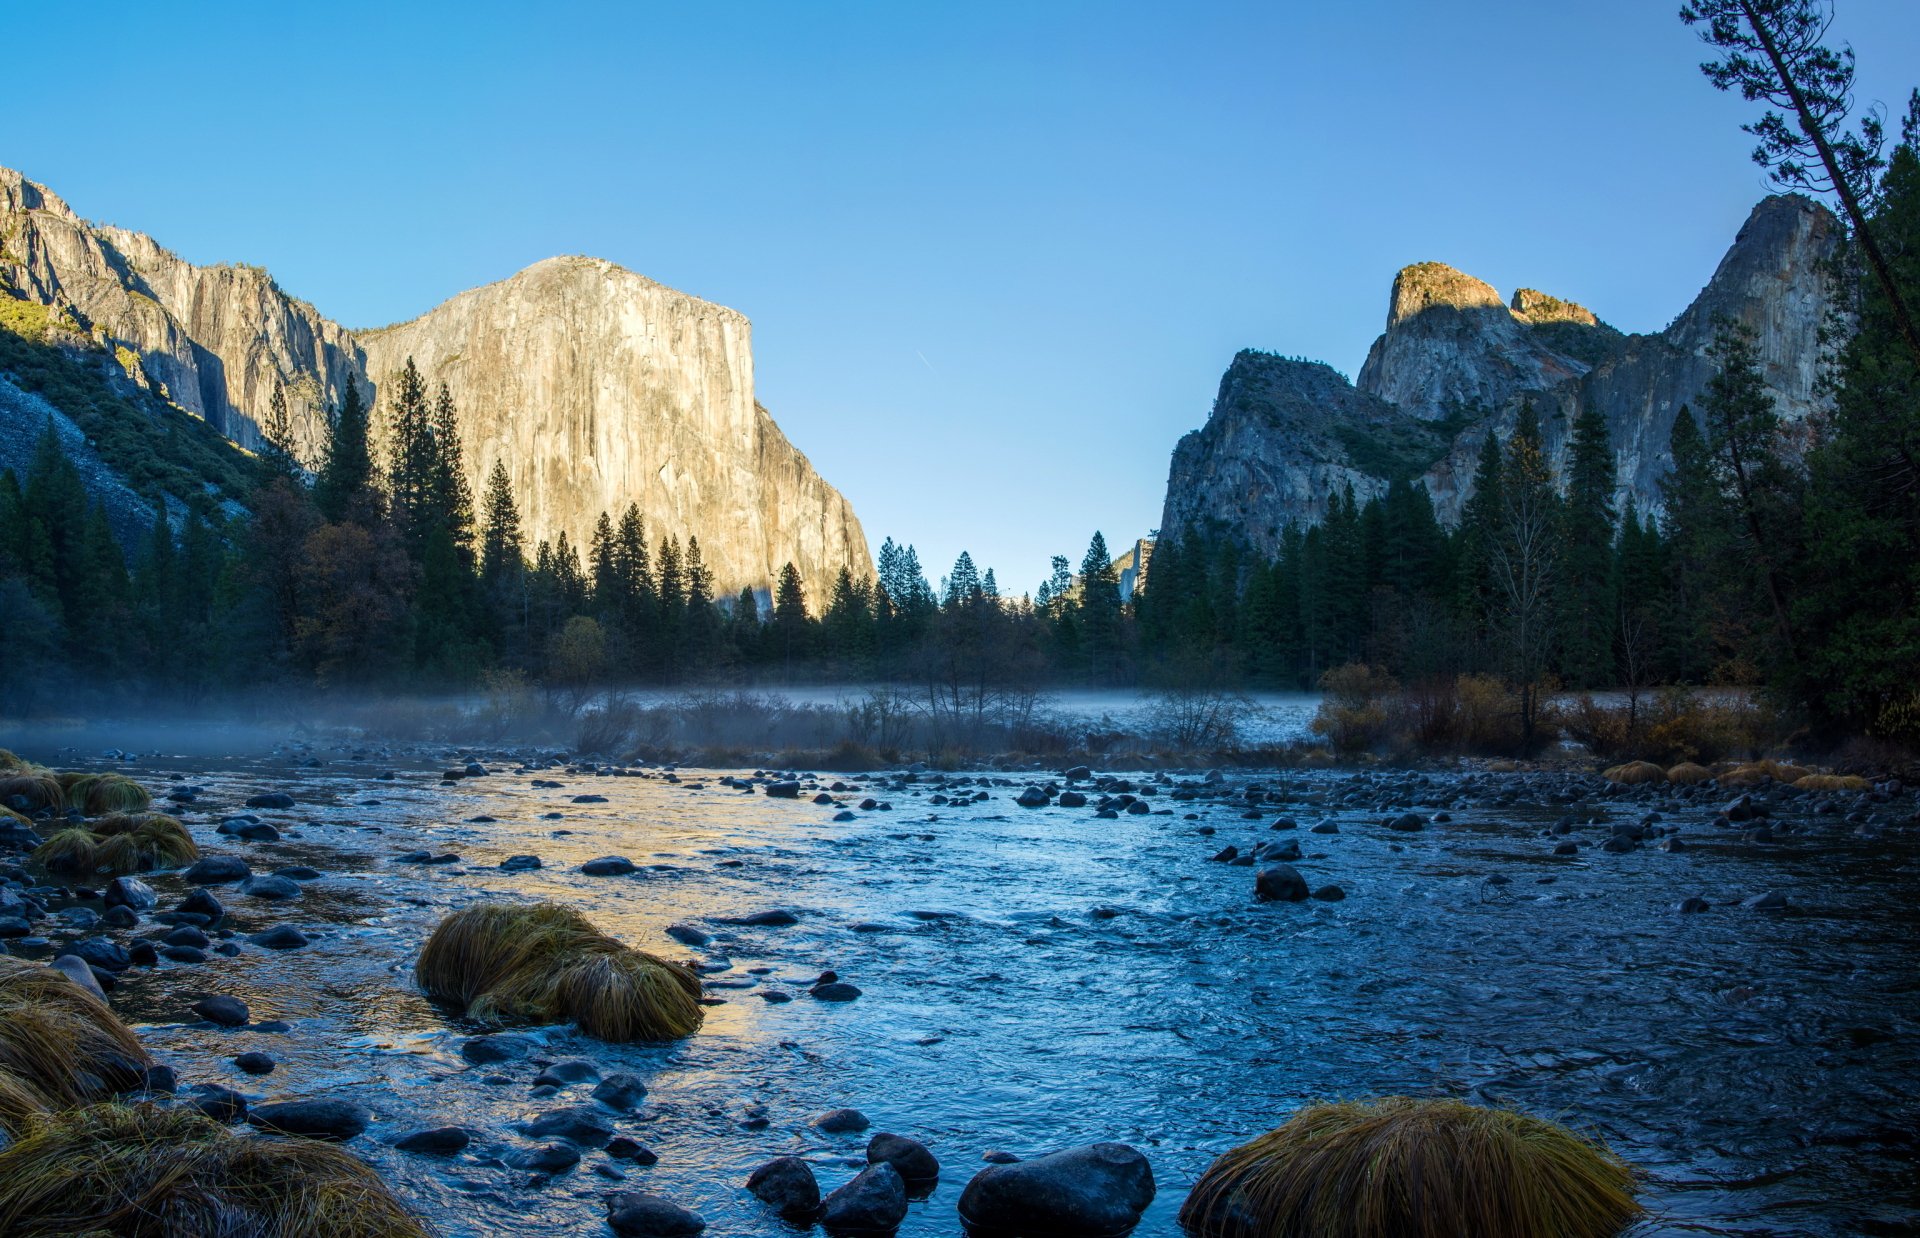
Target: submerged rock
<point x="842" y="1122"/>
<point x="438" y="1141"/>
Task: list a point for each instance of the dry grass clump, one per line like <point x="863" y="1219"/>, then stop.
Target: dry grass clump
<point x="1636" y="772"/>
<point x="1834" y="782"/>
<point x="8" y="761"/>
<point x="1688" y="774"/>
<point x="1406" y="1168"/>
<point x="140" y="1171"/>
<point x="8" y="814"/>
<point x="544" y="963"/>
<point x="38" y="786"/>
<point x="100" y="794"/>
<point x="122" y="843"/>
<point x="60" y="1046"/>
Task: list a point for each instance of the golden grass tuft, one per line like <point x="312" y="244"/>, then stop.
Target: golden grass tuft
<point x="74" y="852"/>
<point x="1634" y="772"/>
<point x="140" y="1171"/>
<point x="39" y="787"/>
<point x="100" y="794"/>
<point x="631" y="995"/>
<point x="1834" y="782"/>
<point x="1688" y="774"/>
<point x="1406" y="1168"/>
<point x="8" y="814"/>
<point x="1745" y="776"/>
<point x="59" y="1044"/>
<point x="122" y="843"/>
<point x="8" y="761"/>
<point x="543" y="963"/>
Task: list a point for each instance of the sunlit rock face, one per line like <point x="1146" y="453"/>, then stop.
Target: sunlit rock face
<point x="596" y="386"/>
<point x="1457" y="362"/>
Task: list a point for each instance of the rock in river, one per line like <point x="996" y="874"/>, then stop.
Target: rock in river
<point x="218" y="870"/>
<point x="874" y="1202"/>
<point x="634" y="1214"/>
<point x="608" y="866"/>
<point x="1279" y="883"/>
<point x="1096" y="1190"/>
<point x="439" y="1141"/>
<point x="316" y="1119"/>
<point x="911" y="1157"/>
<point x="787" y="1185"/>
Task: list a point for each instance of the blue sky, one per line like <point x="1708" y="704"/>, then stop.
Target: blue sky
<point x="996" y="254"/>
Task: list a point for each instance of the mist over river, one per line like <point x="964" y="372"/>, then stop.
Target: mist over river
<point x="1035" y="979"/>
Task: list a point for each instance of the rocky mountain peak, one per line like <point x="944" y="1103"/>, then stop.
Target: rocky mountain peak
<point x="1426" y="286"/>
<point x="1539" y="307"/>
<point x="596" y="386"/>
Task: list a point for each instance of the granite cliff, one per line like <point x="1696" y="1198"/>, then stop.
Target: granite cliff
<point x="596" y="386"/>
<point x="1457" y="362"/>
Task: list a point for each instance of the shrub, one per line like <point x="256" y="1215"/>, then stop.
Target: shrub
<point x="1354" y="716"/>
<point x="1406" y="1168"/>
<point x="1688" y="774"/>
<point x="140" y="1171"/>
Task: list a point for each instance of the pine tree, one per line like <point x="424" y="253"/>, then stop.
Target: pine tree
<point x="502" y="551"/>
<point x="963" y="586"/>
<point x="1526" y="568"/>
<point x="1587" y="613"/>
<point x="452" y="501"/>
<point x="276" y="437"/>
<point x="699" y="633"/>
<point x="1743" y="437"/>
<point x="413" y="469"/>
<point x="345" y="488"/>
<point x="790" y="625"/>
<point x="1696" y="526"/>
<point x="1099" y="610"/>
<point x="1478" y="534"/>
<point x="1857" y="596"/>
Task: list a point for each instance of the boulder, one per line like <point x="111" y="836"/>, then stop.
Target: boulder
<point x="130" y="892"/>
<point x="76" y="970"/>
<point x="222" y="1009"/>
<point x="273" y="889"/>
<point x="787" y="1185"/>
<point x="1279" y="883"/>
<point x="874" y="1202"/>
<point x="635" y="1214"/>
<point x="580" y="1124"/>
<point x="270" y="799"/>
<point x="438" y="1141"/>
<point x="785" y="789"/>
<point x="315" y="1119"/>
<point x="842" y="1122"/>
<point x="911" y="1157"/>
<point x="609" y="866"/>
<point x="280" y="937"/>
<point x="1097" y="1190"/>
<point x="217" y="870"/>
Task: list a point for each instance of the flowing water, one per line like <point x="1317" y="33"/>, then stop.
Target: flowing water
<point x="1037" y="979"/>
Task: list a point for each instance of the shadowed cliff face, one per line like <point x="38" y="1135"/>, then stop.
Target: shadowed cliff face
<point x="1457" y="362"/>
<point x="596" y="386"/>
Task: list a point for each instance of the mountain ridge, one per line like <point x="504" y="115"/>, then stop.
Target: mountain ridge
<point x="214" y="341"/>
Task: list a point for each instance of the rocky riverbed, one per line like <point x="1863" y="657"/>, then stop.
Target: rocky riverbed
<point x="1731" y="1004"/>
